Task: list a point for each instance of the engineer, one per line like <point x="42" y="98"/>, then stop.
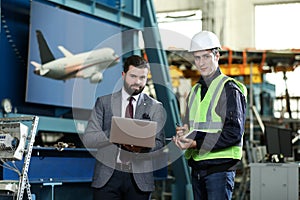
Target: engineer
<point x="216" y="113"/>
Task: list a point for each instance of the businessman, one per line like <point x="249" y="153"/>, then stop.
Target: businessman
<point x="114" y="176"/>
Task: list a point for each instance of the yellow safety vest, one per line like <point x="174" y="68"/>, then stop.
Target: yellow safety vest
<point x="203" y="117"/>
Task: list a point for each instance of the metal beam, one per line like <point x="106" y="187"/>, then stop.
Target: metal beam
<point x="112" y="14"/>
<point x="164" y="92"/>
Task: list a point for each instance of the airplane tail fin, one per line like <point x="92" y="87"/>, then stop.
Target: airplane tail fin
<point x="45" y="52"/>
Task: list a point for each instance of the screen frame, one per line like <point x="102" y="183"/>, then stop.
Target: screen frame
<point x="92" y="33"/>
<point x="279" y="141"/>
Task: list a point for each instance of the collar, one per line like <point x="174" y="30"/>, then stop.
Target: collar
<point x="125" y="95"/>
<point x="207" y="81"/>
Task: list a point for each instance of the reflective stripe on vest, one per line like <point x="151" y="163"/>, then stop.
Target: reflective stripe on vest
<point x="203" y="117"/>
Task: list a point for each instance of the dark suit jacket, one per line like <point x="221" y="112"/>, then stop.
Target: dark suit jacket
<point x="97" y="136"/>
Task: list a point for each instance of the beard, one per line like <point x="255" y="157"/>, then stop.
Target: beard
<point x="132" y="92"/>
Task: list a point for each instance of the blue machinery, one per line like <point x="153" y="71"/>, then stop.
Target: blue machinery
<point x="60" y="169"/>
<point x="57" y="170"/>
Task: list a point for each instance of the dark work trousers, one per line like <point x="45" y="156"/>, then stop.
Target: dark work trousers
<point x="121" y="186"/>
<point x="216" y="186"/>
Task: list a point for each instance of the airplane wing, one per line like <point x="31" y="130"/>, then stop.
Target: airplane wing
<point x="65" y="51"/>
<point x="87" y="72"/>
<point x="92" y="73"/>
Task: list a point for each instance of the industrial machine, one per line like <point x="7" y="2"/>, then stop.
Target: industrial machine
<point x="16" y="141"/>
<point x="12" y="140"/>
<point x="55" y="162"/>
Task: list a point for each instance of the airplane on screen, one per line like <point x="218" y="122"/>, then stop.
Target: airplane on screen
<point x="85" y="65"/>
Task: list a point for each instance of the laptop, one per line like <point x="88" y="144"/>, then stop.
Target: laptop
<point x="133" y="131"/>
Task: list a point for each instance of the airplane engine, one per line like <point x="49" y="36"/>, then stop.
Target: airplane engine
<point x="96" y="78"/>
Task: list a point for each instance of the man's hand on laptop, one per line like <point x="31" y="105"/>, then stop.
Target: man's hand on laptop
<point x="132" y="148"/>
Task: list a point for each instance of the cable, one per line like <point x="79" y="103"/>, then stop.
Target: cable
<point x="13" y="168"/>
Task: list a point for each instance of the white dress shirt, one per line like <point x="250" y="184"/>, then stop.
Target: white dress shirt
<point x="125" y="102"/>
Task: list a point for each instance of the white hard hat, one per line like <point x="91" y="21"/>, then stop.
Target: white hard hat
<point x="204" y="40"/>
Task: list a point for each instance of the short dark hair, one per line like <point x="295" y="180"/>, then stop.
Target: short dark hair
<point x="136" y="61"/>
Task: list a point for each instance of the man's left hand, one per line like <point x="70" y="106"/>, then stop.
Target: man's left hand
<point x="184" y="143"/>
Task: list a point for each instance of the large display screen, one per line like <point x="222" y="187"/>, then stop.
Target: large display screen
<point x="73" y="58"/>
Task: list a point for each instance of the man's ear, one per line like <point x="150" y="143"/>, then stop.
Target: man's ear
<point x="217" y="56"/>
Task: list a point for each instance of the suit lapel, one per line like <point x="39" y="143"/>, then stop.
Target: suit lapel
<point x="116" y="103"/>
<point x="142" y="106"/>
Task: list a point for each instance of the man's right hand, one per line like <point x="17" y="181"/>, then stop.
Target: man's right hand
<point x="181" y="130"/>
